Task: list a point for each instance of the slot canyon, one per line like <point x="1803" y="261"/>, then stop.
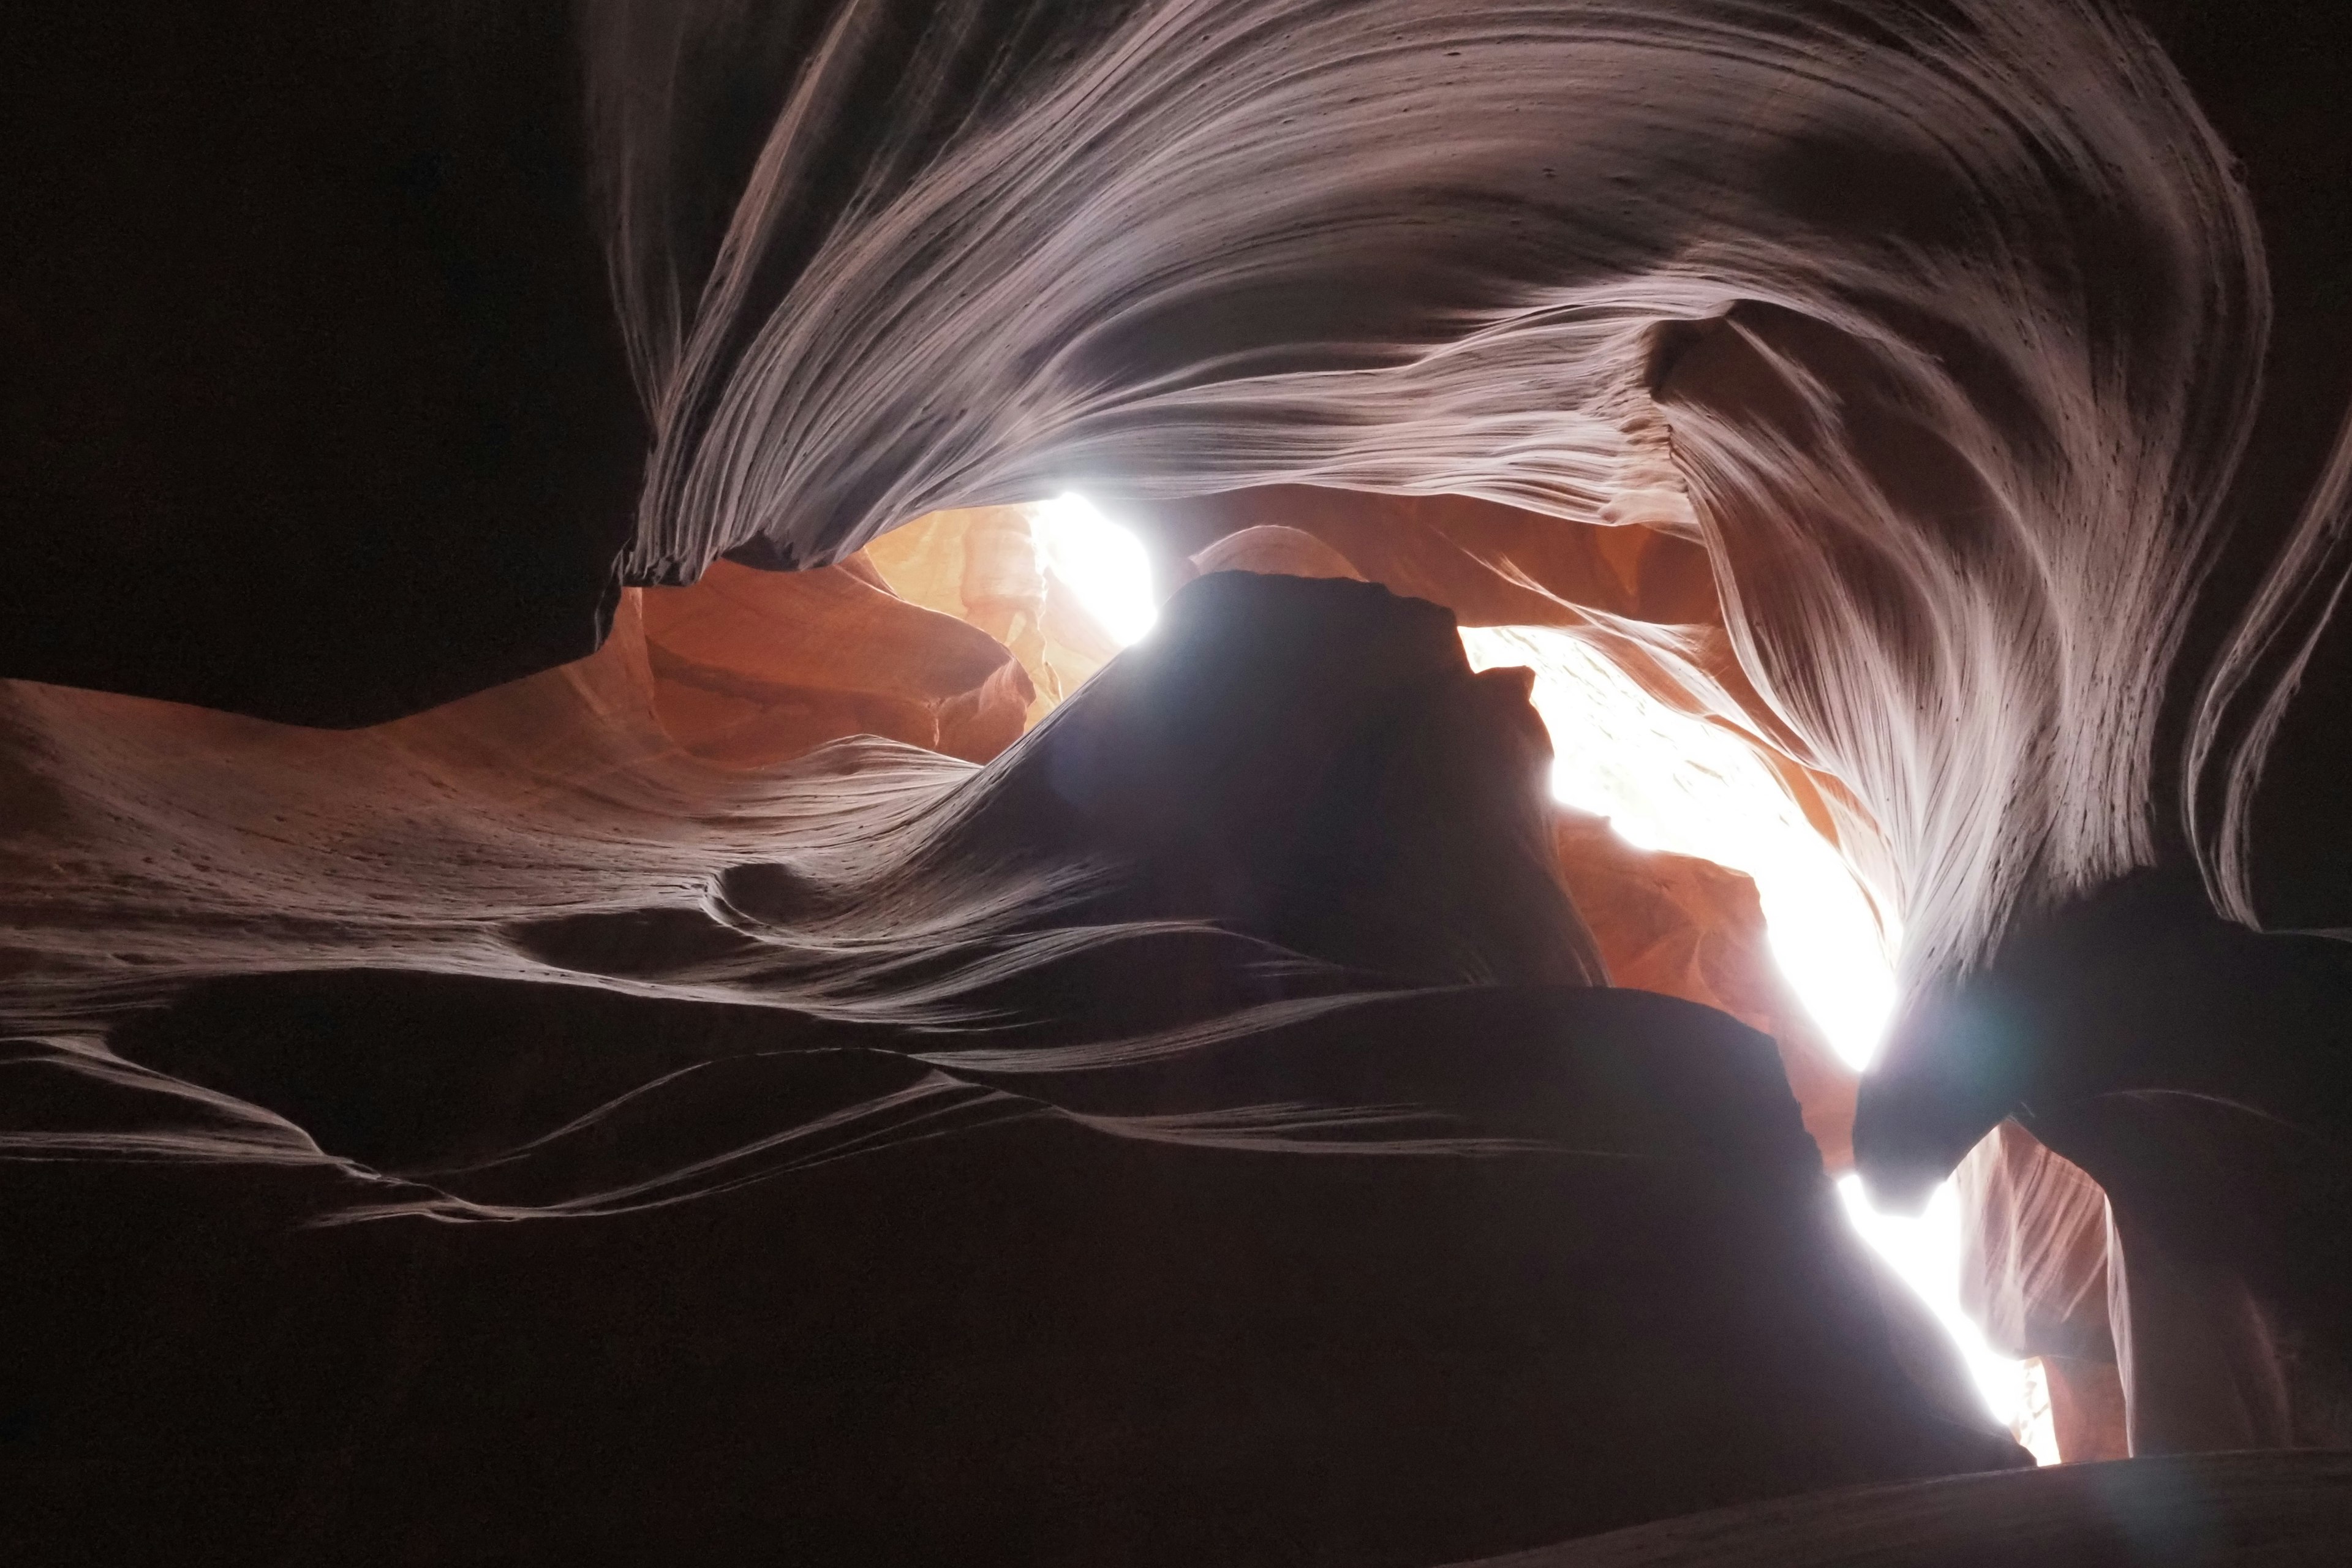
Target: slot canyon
<point x="1388" y="783"/>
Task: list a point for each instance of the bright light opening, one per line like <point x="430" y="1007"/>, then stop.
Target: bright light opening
<point x="1104" y="564"/>
<point x="1669" y="781"/>
<point x="1665" y="781"/>
<point x="1925" y="1253"/>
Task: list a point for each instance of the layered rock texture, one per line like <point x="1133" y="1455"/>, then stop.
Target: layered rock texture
<point x="599" y="958"/>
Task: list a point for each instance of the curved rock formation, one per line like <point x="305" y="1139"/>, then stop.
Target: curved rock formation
<point x="753" y="668"/>
<point x="2194" y="1070"/>
<point x="2037" y="1240"/>
<point x="1948" y="396"/>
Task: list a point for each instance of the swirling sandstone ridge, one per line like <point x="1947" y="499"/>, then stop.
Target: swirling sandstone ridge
<point x="599" y="961"/>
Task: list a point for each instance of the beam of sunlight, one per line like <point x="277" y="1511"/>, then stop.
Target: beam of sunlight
<point x="1923" y="1250"/>
<point x="1103" y="563"/>
<point x="2036" y="1423"/>
<point x="1668" y="781"/>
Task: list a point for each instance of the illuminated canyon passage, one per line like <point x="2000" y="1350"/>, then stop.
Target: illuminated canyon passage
<point x="1177" y="782"/>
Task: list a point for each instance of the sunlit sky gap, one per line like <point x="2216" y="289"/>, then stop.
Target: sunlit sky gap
<point x="1670" y="781"/>
<point x="1925" y="1252"/>
<point x="1103" y="563"/>
<point x="1665" y="781"/>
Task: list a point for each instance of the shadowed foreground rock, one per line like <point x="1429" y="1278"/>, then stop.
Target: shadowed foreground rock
<point x="2197" y="1072"/>
<point x="1223" y="1164"/>
<point x="2287" y="1509"/>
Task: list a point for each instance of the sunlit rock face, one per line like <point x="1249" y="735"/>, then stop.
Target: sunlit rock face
<point x="1684" y="927"/>
<point x="1150" y="1145"/>
<point x="2034" y="1272"/>
<point x="753" y="667"/>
